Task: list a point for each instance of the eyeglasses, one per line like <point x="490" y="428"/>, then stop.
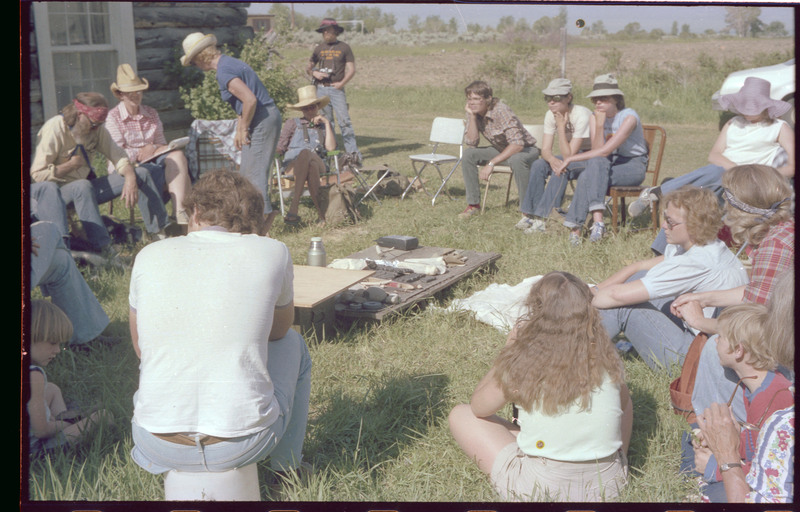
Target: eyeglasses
<point x="757" y="426"/>
<point x="557" y="98"/>
<point x="670" y="223"/>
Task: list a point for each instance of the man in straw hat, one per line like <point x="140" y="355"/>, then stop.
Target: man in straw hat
<point x="137" y="129"/>
<point x="330" y="67"/>
<point x="303" y="143"/>
<point x="66" y="145"/>
<point x="756" y="135"/>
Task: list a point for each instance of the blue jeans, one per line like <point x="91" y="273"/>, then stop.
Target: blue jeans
<point x="338" y="106"/>
<point x="54" y="270"/>
<point x="289" y="367"/>
<point x="594" y="180"/>
<point x="709" y="176"/>
<point x="257" y="157"/>
<point x="520" y="164"/>
<point x="47" y="205"/>
<point x="539" y="200"/>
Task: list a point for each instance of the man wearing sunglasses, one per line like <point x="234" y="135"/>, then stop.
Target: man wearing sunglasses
<point x="66" y="145"/>
<point x="749" y="458"/>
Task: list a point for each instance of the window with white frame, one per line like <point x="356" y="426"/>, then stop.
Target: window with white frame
<point x="80" y="45"/>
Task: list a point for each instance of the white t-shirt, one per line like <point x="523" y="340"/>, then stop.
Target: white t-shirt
<point x="754" y="143"/>
<point x="702" y="268"/>
<point x="575" y="435"/>
<point x="579" y="117"/>
<point x="204" y="305"/>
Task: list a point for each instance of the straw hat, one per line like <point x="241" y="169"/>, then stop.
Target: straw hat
<point x="558" y="87"/>
<point x="330" y="22"/>
<point x="194" y="43"/>
<point x="308" y="96"/>
<point x="753" y="99"/>
<point x="605" y="85"/>
<point x="127" y="81"/>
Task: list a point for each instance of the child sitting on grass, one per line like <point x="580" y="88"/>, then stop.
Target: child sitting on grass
<point x="575" y="413"/>
<point x="742" y="346"/>
<point x="51" y="424"/>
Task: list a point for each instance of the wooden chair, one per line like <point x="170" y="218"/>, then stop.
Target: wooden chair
<point x="656" y="138"/>
<point x="537" y="130"/>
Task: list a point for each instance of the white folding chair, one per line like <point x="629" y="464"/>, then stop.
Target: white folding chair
<point x="443" y="131"/>
<point x="276" y="175"/>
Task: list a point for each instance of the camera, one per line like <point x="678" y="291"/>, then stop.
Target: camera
<point x="320" y="150"/>
<point x="325" y="80"/>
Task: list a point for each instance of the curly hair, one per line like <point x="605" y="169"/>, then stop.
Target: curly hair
<point x="780" y="319"/>
<point x="744" y="325"/>
<point x="206" y="55"/>
<point x="49" y="322"/>
<point x="561" y="352"/>
<point x="703" y="214"/>
<point x="227" y="199"/>
<point x="758" y="186"/>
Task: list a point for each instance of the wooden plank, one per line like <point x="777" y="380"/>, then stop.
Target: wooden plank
<point x="314" y="285"/>
<point x="426" y="286"/>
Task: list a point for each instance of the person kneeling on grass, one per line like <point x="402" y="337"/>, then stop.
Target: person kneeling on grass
<point x="637" y="298"/>
<point x="575" y="415"/>
<point x="742" y="346"/>
<point x="52" y="425"/>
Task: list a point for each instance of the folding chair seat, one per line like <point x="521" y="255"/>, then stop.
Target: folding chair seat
<point x="278" y="176"/>
<point x="537" y="130"/>
<point x="444" y="130"/>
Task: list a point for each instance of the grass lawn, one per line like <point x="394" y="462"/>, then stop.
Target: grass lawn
<point x="378" y="428"/>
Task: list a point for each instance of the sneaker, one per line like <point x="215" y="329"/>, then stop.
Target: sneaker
<point x="574" y="238"/>
<point x="523" y="223"/>
<point x="598" y="230"/>
<point x="643" y="202"/>
<point x="469" y="212"/>
<point x="537" y="226"/>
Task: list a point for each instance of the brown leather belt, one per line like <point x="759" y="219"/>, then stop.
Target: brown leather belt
<point x="189" y="440"/>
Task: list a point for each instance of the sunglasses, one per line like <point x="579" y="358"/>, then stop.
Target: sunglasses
<point x="557" y="98"/>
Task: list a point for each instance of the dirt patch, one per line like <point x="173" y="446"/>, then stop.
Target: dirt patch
<point x="458" y="66"/>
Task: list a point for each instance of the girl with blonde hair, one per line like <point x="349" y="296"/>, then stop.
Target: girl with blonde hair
<point x="575" y="412"/>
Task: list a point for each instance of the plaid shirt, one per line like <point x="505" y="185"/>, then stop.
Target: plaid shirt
<point x="501" y="127"/>
<point x="131" y="133"/>
<point x="772" y="256"/>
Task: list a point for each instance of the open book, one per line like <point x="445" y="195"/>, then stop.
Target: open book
<point x="172" y="146"/>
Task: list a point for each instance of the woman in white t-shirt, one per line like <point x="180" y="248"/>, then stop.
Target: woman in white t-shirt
<point x="571" y="123"/>
<point x="575" y="411"/>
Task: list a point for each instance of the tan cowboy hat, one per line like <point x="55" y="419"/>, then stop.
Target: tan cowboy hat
<point x="605" y="85"/>
<point x="308" y="96"/>
<point x="127" y="81"/>
<point x="194" y="43"/>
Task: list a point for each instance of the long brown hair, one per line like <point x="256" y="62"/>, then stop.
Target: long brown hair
<point x="562" y="352"/>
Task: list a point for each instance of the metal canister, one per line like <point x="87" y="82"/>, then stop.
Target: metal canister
<point x="316" y="253"/>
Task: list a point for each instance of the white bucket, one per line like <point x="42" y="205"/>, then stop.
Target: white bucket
<point x="235" y="485"/>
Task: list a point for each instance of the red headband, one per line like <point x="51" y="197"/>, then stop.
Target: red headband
<point x="96" y="114"/>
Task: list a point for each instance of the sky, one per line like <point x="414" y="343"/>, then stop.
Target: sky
<point x="699" y="17"/>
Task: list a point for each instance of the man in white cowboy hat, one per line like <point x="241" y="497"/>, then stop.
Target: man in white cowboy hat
<point x="66" y="144"/>
<point x="331" y="66"/>
<point x="137" y="129"/>
<point x="303" y="143"/>
<point x="756" y="135"/>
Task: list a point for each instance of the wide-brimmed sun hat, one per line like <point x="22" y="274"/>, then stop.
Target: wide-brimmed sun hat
<point x="127" y="81"/>
<point x="605" y="85"/>
<point x="558" y="87"/>
<point x="330" y="22"/>
<point x="308" y="96"/>
<point x="753" y="99"/>
<point x="195" y="43"/>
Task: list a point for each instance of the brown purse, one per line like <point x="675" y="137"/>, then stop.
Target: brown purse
<point x="680" y="389"/>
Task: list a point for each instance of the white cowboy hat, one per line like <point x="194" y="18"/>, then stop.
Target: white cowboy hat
<point x="308" y="96"/>
<point x="605" y="85"/>
<point x="194" y="43"/>
<point x="127" y="81"/>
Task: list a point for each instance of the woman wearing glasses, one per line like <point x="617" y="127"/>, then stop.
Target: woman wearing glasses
<point x="618" y="158"/>
<point x="635" y="300"/>
<point x="575" y="411"/>
<point x="742" y="346"/>
<point x="570" y="123"/>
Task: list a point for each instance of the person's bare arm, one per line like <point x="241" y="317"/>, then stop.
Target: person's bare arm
<point x="281" y="322"/>
<point x="487" y="398"/>
<point x="715" y="156"/>
<point x="243" y="93"/>
<point x="627" y="416"/>
<point x="786" y="140"/>
<point x="349" y="73"/>
<point x="722" y="437"/>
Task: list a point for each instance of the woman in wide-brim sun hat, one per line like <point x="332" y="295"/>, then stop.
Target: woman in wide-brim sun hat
<point x="756" y="135"/>
<point x="258" y="118"/>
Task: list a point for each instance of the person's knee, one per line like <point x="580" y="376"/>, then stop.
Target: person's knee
<point x="82" y="190"/>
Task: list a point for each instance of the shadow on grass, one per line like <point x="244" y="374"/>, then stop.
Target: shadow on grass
<point x="349" y="432"/>
<point x="645" y="424"/>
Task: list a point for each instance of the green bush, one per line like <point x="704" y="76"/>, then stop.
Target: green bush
<point x="204" y="100"/>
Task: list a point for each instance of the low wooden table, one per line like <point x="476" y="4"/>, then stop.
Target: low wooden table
<point x="315" y="290"/>
<point x="426" y="286"/>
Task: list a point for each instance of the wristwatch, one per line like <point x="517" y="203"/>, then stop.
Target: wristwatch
<point x="726" y="466"/>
